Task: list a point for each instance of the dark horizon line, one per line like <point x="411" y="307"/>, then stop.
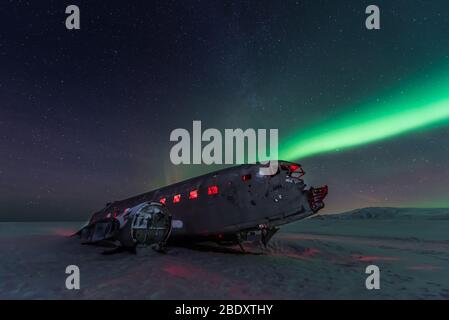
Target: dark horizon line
<point x="343" y="212"/>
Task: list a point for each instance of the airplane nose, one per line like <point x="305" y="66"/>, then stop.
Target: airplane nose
<point x="316" y="197"/>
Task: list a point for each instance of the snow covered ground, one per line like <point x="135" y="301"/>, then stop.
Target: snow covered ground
<point x="320" y="258"/>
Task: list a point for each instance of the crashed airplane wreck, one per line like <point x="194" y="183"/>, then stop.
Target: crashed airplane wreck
<point x="228" y="207"/>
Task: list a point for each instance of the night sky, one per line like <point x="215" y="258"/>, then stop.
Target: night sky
<point x="86" y="115"/>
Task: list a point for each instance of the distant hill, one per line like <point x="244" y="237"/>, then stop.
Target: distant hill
<point x="389" y="213"/>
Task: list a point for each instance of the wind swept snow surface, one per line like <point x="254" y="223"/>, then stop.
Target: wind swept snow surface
<point x="320" y="258"/>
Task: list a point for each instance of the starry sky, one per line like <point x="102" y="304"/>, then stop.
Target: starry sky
<point x="86" y="115"/>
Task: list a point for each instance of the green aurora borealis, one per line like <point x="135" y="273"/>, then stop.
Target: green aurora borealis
<point x="418" y="105"/>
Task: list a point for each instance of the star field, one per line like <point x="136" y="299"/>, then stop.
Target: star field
<point x="85" y="115"/>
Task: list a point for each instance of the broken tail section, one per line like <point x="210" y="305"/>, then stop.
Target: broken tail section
<point x="316" y="197"/>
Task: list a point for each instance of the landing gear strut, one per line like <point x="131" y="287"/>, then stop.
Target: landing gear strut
<point x="267" y="233"/>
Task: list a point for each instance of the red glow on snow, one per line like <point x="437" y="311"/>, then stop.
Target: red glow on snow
<point x="212" y="190"/>
<point x="179" y="271"/>
<point x="177" y="198"/>
<point x="195" y="273"/>
<point x="163" y="200"/>
<point x="307" y="253"/>
<point x="310" y="252"/>
<point x="193" y="194"/>
<point x="63" y="232"/>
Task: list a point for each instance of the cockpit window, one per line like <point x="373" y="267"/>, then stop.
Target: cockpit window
<point x="294" y="170"/>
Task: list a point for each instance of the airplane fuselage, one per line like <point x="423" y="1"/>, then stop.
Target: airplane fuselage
<point x="225" y="205"/>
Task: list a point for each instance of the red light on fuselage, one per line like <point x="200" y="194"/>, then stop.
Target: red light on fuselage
<point x="163" y="200"/>
<point x="177" y="198"/>
<point x="212" y="190"/>
<point x="193" y="194"/>
<point x="246" y="177"/>
<point x="290" y="167"/>
<point x="294" y="167"/>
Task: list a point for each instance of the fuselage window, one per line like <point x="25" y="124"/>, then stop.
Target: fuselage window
<point x="176" y="198"/>
<point x="212" y="190"/>
<point x="193" y="194"/>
